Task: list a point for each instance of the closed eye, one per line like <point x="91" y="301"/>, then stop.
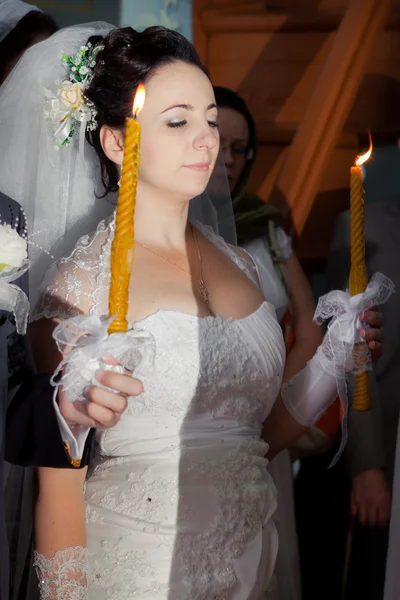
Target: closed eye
<point x="177" y="124"/>
<point x="174" y="124"/>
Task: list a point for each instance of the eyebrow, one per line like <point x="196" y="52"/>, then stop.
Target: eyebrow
<point x="187" y="107"/>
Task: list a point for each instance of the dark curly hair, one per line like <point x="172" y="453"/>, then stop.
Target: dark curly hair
<point x="23" y="35"/>
<point x="129" y="58"/>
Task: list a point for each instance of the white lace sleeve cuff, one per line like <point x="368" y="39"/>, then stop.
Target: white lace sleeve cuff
<point x="284" y="243"/>
<point x="75" y="436"/>
<point x="63" y="576"/>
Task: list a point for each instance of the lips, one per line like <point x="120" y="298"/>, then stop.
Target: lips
<point x="201" y="167"/>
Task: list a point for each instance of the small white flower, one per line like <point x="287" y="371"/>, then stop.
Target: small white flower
<point x="92" y="64"/>
<point x="84" y="48"/>
<point x="73" y="69"/>
<point x="83" y="71"/>
<point x="12" y="248"/>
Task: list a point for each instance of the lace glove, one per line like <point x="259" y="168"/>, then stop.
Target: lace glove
<point x="310" y="393"/>
<point x="62" y="577"/>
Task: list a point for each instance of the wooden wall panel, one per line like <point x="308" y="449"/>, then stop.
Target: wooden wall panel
<point x="276" y="72"/>
<point x="329" y="105"/>
<point x="273" y="72"/>
<point x="272" y="52"/>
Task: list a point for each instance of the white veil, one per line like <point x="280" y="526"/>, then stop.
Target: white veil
<point x="11" y="13"/>
<point x="59" y="189"/>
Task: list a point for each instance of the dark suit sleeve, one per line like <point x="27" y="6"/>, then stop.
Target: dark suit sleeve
<point x="364" y="450"/>
<point x="32" y="434"/>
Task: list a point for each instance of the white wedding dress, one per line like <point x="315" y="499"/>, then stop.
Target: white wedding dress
<point x="179" y="502"/>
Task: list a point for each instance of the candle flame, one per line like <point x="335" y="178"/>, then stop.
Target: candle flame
<point x="139" y="99"/>
<point x="360" y="160"/>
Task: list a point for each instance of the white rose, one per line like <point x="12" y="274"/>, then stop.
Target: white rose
<point x="12" y="248"/>
<point x="71" y="94"/>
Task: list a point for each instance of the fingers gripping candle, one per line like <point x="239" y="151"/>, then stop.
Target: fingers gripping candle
<point x="123" y="246"/>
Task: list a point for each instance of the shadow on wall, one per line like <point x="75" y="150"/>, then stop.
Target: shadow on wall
<point x="72" y="12"/>
<point x="174" y="14"/>
<point x="382" y="174"/>
<point x="377" y="108"/>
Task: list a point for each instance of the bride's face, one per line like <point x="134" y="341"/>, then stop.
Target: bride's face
<point x="179" y="137"/>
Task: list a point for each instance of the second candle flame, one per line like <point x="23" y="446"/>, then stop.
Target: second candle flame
<point x="139" y="99"/>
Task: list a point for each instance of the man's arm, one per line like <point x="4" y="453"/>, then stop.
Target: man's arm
<point x="32" y="431"/>
<point x="33" y="435"/>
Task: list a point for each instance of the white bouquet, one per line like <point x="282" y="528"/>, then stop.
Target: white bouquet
<point x="13" y="263"/>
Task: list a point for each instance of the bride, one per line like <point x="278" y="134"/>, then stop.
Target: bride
<point x="178" y="502"/>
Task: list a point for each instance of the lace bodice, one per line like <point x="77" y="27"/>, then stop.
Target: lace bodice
<point x="179" y="502"/>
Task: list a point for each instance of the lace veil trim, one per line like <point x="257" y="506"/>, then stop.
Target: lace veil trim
<point x="79" y="283"/>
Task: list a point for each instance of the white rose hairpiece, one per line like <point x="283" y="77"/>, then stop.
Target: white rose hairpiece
<point x="70" y="109"/>
<point x="13" y="263"/>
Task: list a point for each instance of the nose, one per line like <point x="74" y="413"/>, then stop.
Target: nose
<point x="206" y="140"/>
<point x="227" y="154"/>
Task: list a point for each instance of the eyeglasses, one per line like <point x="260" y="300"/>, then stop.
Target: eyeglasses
<point x="237" y="150"/>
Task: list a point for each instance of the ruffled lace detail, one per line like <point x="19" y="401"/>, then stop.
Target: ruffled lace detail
<point x="343" y="349"/>
<point x="85" y="341"/>
<point x="62" y="577"/>
<point x="332" y="304"/>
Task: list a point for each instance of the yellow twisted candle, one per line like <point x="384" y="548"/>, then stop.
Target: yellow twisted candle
<point x="358" y="271"/>
<point x="123" y="246"/>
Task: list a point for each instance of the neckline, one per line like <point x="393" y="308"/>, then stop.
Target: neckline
<point x="196" y="318"/>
